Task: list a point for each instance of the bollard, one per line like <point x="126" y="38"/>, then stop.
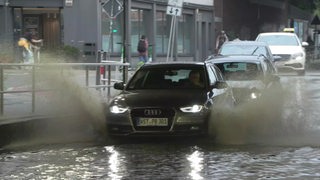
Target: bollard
<point x="102" y="74"/>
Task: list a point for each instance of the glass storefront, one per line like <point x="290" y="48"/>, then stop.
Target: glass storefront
<point x="139" y="23"/>
<point x="156" y="27"/>
<point x="163" y="30"/>
<point x="185" y="30"/>
<point x="112" y="30"/>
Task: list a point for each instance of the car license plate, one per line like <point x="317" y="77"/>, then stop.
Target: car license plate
<point x="152" y="122"/>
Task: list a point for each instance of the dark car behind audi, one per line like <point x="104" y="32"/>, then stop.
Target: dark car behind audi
<point x="238" y="47"/>
<point x="250" y="76"/>
<point x="159" y="100"/>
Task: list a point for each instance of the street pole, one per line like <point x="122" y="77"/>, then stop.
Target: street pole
<point x="173" y="36"/>
<point x="170" y="39"/>
<point x="126" y="37"/>
<point x="99" y="41"/>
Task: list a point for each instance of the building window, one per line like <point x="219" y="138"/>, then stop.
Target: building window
<point x="139" y="24"/>
<point x="183" y="37"/>
<point x="163" y="30"/>
<point x="185" y="29"/>
<point x="112" y="30"/>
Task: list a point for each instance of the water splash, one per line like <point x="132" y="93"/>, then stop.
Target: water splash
<point x="76" y="114"/>
<point x="286" y="117"/>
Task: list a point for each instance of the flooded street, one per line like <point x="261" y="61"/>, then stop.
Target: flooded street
<point x="163" y="161"/>
<point x="264" y="141"/>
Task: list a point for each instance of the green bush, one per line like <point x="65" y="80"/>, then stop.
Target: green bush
<point x="6" y="53"/>
<point x="71" y="53"/>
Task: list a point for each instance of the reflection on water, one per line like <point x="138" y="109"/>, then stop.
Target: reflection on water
<point x="114" y="163"/>
<point x="277" y="138"/>
<point x="162" y="161"/>
<point x="196" y="163"/>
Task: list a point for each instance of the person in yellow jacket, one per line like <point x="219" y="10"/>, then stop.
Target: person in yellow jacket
<point x="27" y="54"/>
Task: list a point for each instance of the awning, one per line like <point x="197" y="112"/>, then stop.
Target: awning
<point x="270" y="3"/>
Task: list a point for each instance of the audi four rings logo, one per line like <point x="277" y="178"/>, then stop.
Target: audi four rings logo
<point x="152" y="112"/>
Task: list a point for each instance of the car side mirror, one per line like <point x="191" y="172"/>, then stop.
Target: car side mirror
<point x="220" y="85"/>
<point x="304" y="44"/>
<point x="118" y="85"/>
<point x="276" y="58"/>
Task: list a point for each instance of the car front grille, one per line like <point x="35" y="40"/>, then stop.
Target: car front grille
<point x="284" y="57"/>
<point x="295" y="65"/>
<point x="152" y="113"/>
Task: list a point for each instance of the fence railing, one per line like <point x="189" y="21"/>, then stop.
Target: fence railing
<point x="103" y="74"/>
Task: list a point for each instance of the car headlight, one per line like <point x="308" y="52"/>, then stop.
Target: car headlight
<point x="255" y="93"/>
<point x="192" y="109"/>
<point x="297" y="55"/>
<point x="118" y="109"/>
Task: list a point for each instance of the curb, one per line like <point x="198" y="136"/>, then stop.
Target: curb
<point x="45" y="129"/>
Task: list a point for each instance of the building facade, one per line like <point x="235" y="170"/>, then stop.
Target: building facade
<point x="113" y="26"/>
<point x="263" y="16"/>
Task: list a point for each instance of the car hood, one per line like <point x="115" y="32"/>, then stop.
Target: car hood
<point x="285" y="49"/>
<point x="246" y="84"/>
<point x="144" y="98"/>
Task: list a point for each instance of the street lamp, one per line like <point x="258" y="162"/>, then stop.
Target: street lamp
<point x="6" y="4"/>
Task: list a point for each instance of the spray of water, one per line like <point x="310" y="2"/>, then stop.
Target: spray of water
<point x="76" y="104"/>
<point x="281" y="117"/>
<point x="76" y="114"/>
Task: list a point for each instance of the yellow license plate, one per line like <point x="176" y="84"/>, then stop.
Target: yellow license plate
<point x="152" y="122"/>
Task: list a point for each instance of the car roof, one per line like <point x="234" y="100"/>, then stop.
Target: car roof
<point x="277" y="33"/>
<point x="236" y="58"/>
<point x="257" y="43"/>
<point x="173" y="64"/>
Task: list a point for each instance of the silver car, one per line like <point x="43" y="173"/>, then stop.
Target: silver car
<point x="251" y="77"/>
<point x="247" y="48"/>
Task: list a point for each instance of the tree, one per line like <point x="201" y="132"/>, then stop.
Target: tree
<point x="317" y="7"/>
<point x="307" y="5"/>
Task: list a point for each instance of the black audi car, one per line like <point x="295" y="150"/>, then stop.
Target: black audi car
<point x="168" y="99"/>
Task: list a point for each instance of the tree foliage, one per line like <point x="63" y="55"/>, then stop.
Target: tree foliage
<point x="317" y="8"/>
<point x="307" y="5"/>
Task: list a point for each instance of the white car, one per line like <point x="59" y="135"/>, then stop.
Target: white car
<point x="288" y="47"/>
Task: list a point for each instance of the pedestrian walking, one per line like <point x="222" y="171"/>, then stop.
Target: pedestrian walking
<point x="36" y="43"/>
<point x="30" y="47"/>
<point x="221" y="38"/>
<point x="142" y="49"/>
<point x="27" y="53"/>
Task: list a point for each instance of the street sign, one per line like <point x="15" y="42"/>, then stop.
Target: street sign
<point x="68" y="3"/>
<point x="175" y="3"/>
<point x="174" y="11"/>
<point x="112" y="8"/>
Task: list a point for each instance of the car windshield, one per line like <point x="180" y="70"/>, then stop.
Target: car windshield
<point x="168" y="78"/>
<point x="242" y="49"/>
<point x="279" y="40"/>
<point x="240" y="71"/>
